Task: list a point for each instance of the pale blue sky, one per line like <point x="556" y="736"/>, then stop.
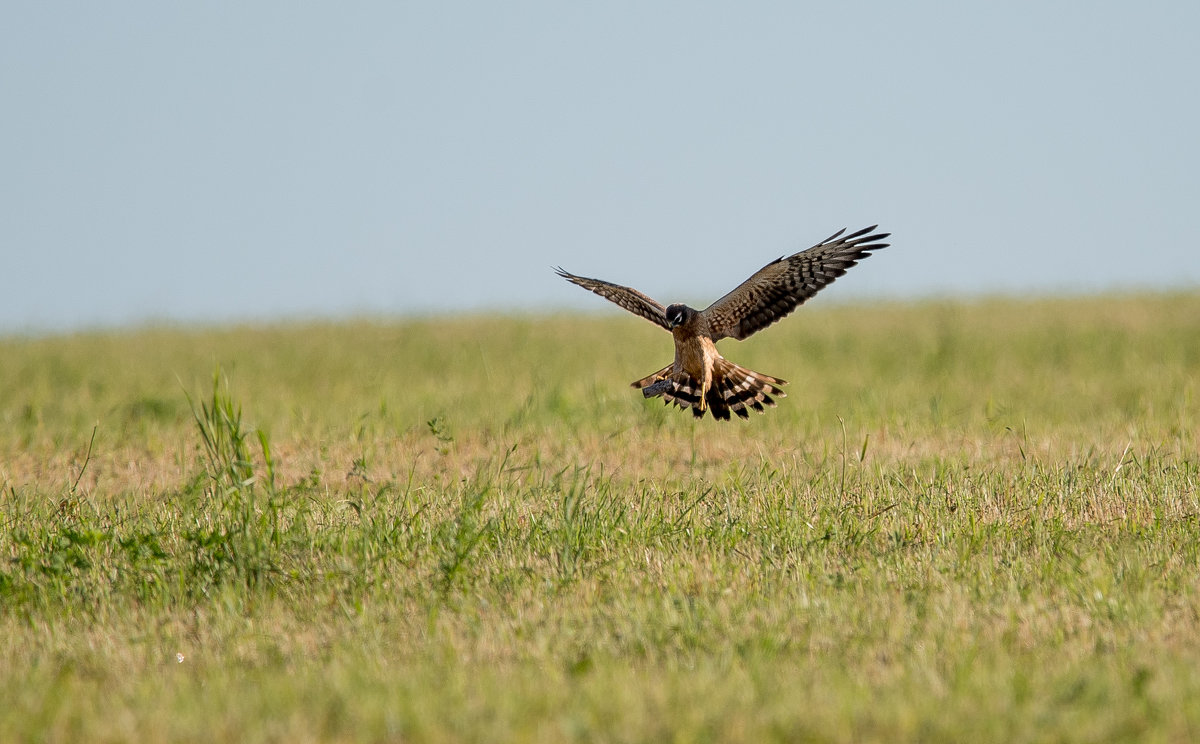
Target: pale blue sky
<point x="219" y="160"/>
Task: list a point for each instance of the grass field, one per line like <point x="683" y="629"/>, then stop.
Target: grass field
<point x="967" y="522"/>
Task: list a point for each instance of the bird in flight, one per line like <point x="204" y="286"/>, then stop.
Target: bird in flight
<point x="700" y="378"/>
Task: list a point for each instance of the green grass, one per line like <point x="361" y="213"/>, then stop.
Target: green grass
<point x="966" y="522"/>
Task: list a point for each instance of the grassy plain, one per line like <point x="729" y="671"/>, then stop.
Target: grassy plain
<point x="967" y="522"/>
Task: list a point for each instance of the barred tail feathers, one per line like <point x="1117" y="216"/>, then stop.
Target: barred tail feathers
<point x="738" y="389"/>
<point x="734" y="389"/>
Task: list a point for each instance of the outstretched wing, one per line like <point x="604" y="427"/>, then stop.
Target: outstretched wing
<point x="630" y="299"/>
<point x="784" y="284"/>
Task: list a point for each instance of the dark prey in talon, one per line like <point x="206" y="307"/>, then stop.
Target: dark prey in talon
<point x="700" y="378"/>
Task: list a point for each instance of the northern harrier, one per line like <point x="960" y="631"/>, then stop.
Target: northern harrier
<point x="700" y="378"/>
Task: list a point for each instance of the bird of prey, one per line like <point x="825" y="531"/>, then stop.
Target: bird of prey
<point x="700" y="378"/>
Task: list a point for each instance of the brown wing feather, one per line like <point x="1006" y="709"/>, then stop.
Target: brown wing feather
<point x="784" y="284"/>
<point x="628" y="298"/>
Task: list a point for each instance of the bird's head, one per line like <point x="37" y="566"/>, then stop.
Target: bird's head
<point x="678" y="315"/>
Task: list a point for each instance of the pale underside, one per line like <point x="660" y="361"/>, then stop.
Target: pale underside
<point x="695" y="356"/>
